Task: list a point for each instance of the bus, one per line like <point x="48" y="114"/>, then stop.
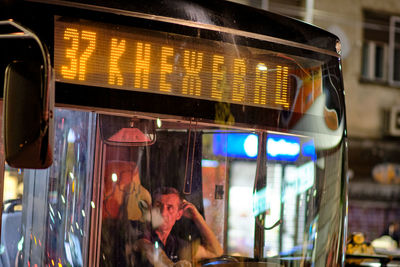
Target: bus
<point x="238" y="112"/>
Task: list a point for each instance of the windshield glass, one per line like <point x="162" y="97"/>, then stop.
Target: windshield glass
<point x="230" y="200"/>
<point x="168" y="190"/>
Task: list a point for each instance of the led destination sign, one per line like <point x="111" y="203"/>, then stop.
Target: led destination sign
<point x="129" y="58"/>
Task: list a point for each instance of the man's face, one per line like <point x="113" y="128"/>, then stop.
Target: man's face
<point x="169" y="206"/>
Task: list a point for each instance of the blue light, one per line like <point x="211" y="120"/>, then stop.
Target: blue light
<point x="308" y="150"/>
<point x="251" y="145"/>
<point x="283" y="147"/>
<point x="239" y="145"/>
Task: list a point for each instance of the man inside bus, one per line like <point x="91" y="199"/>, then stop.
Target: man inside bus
<point x="170" y="207"/>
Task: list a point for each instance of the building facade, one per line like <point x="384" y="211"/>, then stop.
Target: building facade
<point x="370" y="38"/>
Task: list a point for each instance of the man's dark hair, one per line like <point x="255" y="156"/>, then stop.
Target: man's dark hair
<point x="165" y="190"/>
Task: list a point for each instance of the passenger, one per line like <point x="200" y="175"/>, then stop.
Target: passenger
<point x="126" y="208"/>
<point x="170" y="207"/>
<point x="122" y="181"/>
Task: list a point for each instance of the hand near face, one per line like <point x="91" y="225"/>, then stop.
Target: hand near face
<point x="210" y="246"/>
<point x="189" y="210"/>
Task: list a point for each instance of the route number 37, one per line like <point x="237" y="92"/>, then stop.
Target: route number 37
<point x="77" y="66"/>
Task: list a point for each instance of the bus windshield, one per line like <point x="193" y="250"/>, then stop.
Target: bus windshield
<point x="278" y="203"/>
<point x="184" y="143"/>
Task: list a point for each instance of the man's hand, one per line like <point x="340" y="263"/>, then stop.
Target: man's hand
<point x="211" y="247"/>
<point x="190" y="211"/>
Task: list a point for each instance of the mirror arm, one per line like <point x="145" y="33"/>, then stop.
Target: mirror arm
<point x="33" y="148"/>
<point x="24" y="33"/>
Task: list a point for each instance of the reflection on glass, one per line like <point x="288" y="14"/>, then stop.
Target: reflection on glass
<point x="11" y="231"/>
<point x="13" y="183"/>
<point x="241" y="218"/>
<point x="69" y="188"/>
<point x="223" y="196"/>
<point x="55" y="220"/>
<point x="216" y="169"/>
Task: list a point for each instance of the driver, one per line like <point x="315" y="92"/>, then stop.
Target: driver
<point x="162" y="245"/>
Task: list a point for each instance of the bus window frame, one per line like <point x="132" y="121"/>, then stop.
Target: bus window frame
<point x="97" y="199"/>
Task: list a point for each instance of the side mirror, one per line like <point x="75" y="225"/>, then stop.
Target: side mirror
<point x="28" y="104"/>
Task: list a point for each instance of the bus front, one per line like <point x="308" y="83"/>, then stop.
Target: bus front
<point x="241" y="120"/>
